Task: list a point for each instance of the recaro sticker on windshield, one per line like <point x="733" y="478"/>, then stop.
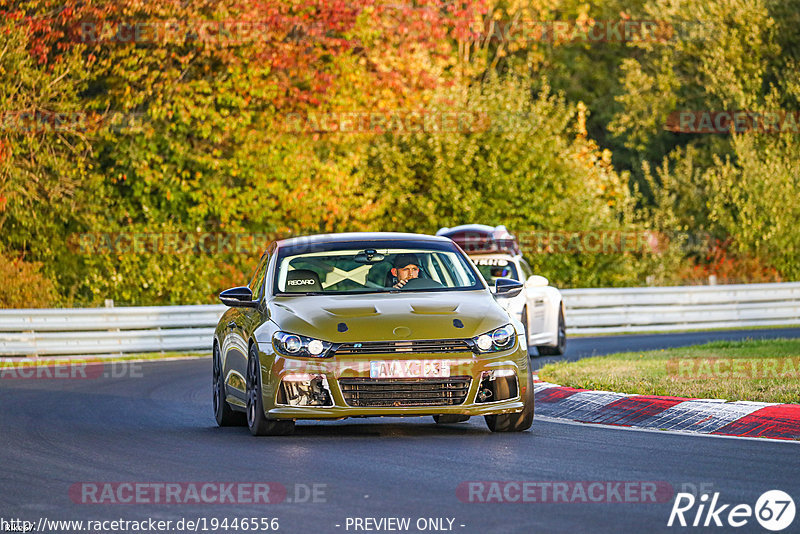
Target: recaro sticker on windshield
<point x="306" y="282"/>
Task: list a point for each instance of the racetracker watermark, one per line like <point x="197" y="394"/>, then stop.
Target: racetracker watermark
<point x="222" y="32"/>
<point x="43" y="121"/>
<point x="726" y="122"/>
<point x="208" y="243"/>
<point x="590" y="242"/>
<point x="589" y="31"/>
<point x="741" y="368"/>
<point x="67" y="369"/>
<point x="568" y="491"/>
<point x="391" y="122"/>
<point x="196" y="493"/>
<point x="177" y="243"/>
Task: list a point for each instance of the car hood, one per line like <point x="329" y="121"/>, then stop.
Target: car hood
<point x="389" y="316"/>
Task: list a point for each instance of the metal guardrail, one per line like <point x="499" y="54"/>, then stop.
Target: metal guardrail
<point x="45" y="332"/>
<point x="664" y="309"/>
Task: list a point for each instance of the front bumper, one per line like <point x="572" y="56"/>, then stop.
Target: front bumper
<point x="275" y="368"/>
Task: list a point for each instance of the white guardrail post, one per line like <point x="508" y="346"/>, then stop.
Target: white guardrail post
<point x="45" y="332"/>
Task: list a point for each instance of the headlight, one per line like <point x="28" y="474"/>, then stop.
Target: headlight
<point x="292" y="344"/>
<point x="498" y="339"/>
<point x="296" y="345"/>
<point x="315" y="347"/>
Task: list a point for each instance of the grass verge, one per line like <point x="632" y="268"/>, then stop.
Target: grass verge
<point x="753" y="370"/>
<point x="687" y="330"/>
<point x="13" y="361"/>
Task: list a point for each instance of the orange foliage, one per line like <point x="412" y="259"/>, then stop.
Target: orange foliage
<point x="23" y="285"/>
<point x="729" y="267"/>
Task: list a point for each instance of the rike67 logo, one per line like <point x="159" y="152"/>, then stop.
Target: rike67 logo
<point x="774" y="510"/>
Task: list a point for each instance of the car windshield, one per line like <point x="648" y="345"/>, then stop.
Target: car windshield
<point x="374" y="268"/>
<point x="493" y="268"/>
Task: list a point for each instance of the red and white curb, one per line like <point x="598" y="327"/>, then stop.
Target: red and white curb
<point x="704" y="416"/>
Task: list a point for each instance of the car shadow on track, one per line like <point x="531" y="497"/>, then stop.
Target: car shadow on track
<point x="340" y="429"/>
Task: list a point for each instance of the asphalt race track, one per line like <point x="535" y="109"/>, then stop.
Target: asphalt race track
<point x="583" y="347"/>
<point x="153" y="424"/>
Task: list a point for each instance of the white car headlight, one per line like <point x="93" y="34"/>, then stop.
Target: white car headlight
<point x="296" y="345"/>
<point x="498" y="339"/>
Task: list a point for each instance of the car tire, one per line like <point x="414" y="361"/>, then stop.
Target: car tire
<point x="514" y="422"/>
<point x="447" y="419"/>
<point x="561" y="343"/>
<point x="257" y="421"/>
<point x="223" y="413"/>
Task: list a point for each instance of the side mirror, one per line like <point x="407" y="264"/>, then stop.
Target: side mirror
<point x="507" y="287"/>
<point x="238" y="296"/>
<point x="537" y="281"/>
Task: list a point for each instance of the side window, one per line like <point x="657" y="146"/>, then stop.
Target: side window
<point x="527" y="272"/>
<point x="257" y="283"/>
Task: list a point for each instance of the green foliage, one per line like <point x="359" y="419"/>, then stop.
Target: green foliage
<point x="42" y="161"/>
<point x="722" y="57"/>
<point x="754" y="201"/>
<point x="731" y="55"/>
<point x="531" y="169"/>
<point x="46" y="167"/>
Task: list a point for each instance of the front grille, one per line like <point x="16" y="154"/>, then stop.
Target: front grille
<point x="370" y="392"/>
<point x="404" y="347"/>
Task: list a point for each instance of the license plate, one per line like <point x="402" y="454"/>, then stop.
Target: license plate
<point x="409" y="369"/>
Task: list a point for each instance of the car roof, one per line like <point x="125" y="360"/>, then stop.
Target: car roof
<point x="467" y="227"/>
<point x="480" y="238"/>
<point x="346" y="237"/>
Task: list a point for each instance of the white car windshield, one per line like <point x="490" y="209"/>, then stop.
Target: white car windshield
<point x="493" y="268"/>
<point x="370" y="269"/>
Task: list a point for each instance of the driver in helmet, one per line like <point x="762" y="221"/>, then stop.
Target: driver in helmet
<point x="499" y="272"/>
<point x="406" y="267"/>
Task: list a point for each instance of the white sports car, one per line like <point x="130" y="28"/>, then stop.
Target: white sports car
<point x="539" y="306"/>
